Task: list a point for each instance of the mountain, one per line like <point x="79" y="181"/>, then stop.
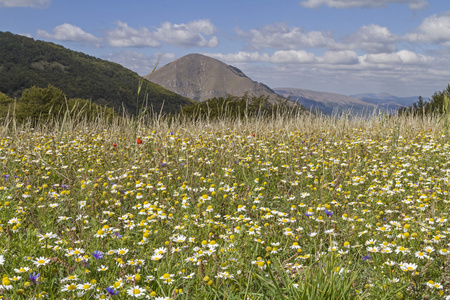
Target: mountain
<point x="25" y="62"/>
<point x="386" y="100"/>
<point x="329" y="103"/>
<point x="200" y="77"/>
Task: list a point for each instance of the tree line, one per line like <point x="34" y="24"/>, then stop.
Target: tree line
<point x="437" y="104"/>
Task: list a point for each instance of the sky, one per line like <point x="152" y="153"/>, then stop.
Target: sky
<point x="401" y="47"/>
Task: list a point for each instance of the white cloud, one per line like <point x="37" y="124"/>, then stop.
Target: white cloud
<point x="373" y="39"/>
<point x="281" y="56"/>
<point x="341" y="58"/>
<point x="126" y="36"/>
<point x="434" y="29"/>
<point x="241" y="56"/>
<point x="187" y="35"/>
<point x="413" y="4"/>
<point x="344" y="57"/>
<point x="68" y="32"/>
<point x="399" y="58"/>
<point x="25" y="3"/>
<point x="280" y="36"/>
<point x="139" y="62"/>
<point x="292" y="56"/>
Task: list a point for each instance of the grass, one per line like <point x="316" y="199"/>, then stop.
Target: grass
<point x="300" y="207"/>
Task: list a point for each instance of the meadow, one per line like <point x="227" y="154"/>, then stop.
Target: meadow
<point x="301" y="207"/>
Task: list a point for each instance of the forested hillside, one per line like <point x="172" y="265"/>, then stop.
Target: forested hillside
<point x="25" y="62"/>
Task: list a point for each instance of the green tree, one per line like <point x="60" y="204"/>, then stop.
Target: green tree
<point x="434" y="105"/>
<point x="6" y="105"/>
<point x="45" y="103"/>
<point x="40" y="103"/>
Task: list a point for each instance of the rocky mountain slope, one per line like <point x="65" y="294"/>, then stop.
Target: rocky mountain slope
<point x="200" y="78"/>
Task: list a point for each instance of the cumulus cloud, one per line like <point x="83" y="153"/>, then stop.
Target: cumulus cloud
<point x="68" y="32"/>
<point x="329" y="58"/>
<point x="241" y="56"/>
<point x="292" y="56"/>
<point x="413" y="4"/>
<point x="187" y="35"/>
<point x="434" y="29"/>
<point x="126" y="36"/>
<point x="373" y="39"/>
<point x="344" y="57"/>
<point x="281" y="56"/>
<point x="139" y="62"/>
<point x="280" y="36"/>
<point x="399" y="58"/>
<point x="25" y="3"/>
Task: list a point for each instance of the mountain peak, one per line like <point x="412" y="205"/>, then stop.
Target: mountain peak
<point x="201" y="77"/>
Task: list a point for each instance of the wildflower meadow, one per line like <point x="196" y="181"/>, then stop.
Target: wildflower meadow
<point x="302" y="207"/>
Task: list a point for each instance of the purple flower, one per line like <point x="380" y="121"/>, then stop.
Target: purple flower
<point x="328" y="212"/>
<point x="97" y="254"/>
<point x="366" y="257"/>
<point x="33" y="277"/>
<point x="111" y="291"/>
<point x="308" y="215"/>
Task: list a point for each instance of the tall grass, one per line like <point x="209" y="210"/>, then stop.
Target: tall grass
<point x="308" y="194"/>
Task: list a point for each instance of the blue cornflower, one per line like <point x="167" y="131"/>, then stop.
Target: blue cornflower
<point x="365" y="257"/>
<point x="97" y="254"/>
<point x="328" y="212"/>
<point x="34" y="277"/>
<point x="308" y="215"/>
<point x="111" y="291"/>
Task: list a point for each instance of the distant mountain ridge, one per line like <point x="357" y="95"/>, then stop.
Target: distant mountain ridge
<point x="331" y="103"/>
<point x="328" y="103"/>
<point x="201" y="77"/>
<point x="386" y="100"/>
<point x="25" y="62"/>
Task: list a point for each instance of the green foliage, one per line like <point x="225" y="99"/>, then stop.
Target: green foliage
<point x="25" y="63"/>
<point x="235" y="108"/>
<point x="436" y="105"/>
<point x="50" y="103"/>
<point x="6" y="103"/>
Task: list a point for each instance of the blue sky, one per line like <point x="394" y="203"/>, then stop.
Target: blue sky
<point x="344" y="46"/>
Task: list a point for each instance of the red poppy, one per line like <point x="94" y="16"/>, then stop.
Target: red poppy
<point x="139" y="141"/>
<point x="114" y="145"/>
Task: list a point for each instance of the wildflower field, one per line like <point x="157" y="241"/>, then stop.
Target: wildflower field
<point x="285" y="208"/>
